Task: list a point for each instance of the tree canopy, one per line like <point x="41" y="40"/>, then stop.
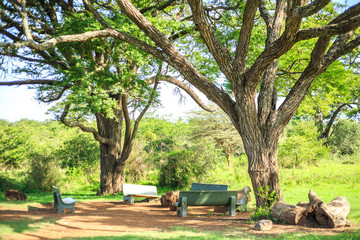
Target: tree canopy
<point x="246" y="41"/>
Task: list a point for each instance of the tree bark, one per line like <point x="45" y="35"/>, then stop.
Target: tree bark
<point x="313" y="214"/>
<point x="333" y="214"/>
<point x="263" y="166"/>
<point x="112" y="171"/>
<point x="288" y="213"/>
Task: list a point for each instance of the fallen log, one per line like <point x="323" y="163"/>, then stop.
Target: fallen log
<point x="314" y="213"/>
<point x="288" y="213"/>
<point x="333" y="214"/>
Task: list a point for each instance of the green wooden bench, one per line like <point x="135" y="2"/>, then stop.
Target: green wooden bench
<point x="242" y="203"/>
<point x="63" y="203"/>
<point x="208" y="187"/>
<point x="131" y="191"/>
<point x="206" y="198"/>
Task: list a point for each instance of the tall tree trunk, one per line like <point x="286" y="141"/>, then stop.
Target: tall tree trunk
<point x="112" y="171"/>
<point x="264" y="174"/>
<point x="261" y="149"/>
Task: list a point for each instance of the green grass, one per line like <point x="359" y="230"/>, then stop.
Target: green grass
<point x="180" y="233"/>
<point x="24" y="225"/>
<point x="329" y="179"/>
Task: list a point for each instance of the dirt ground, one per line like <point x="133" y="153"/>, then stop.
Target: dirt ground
<point x="116" y="219"/>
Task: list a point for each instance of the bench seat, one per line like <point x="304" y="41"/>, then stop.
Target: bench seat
<point x="130" y="191"/>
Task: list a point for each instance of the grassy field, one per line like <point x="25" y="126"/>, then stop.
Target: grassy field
<point x="328" y="179"/>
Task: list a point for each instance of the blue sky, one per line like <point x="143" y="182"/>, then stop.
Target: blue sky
<point x="19" y="102"/>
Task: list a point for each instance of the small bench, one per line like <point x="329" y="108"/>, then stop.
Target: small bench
<point x="63" y="203"/>
<point x="206" y="198"/>
<point x="208" y="187"/>
<point x="131" y="191"/>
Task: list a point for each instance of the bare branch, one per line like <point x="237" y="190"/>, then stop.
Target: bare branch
<point x="311" y="8"/>
<point x="82" y="126"/>
<point x="186" y="88"/>
<point x="29" y="82"/>
<point x="83" y="37"/>
<point x="96" y="14"/>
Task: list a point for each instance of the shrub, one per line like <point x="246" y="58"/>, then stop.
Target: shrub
<point x="183" y="166"/>
<point x="345" y="138"/>
<point x="43" y="172"/>
<point x="300" y="145"/>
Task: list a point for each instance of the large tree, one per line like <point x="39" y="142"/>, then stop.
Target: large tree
<point x="104" y="79"/>
<point x="252" y="105"/>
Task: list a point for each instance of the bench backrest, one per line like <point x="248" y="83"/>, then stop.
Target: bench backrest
<point x="134" y="189"/>
<point x="57" y="195"/>
<point x="208" y="187"/>
<point x="207" y="198"/>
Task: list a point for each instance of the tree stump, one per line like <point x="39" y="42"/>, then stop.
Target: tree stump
<point x="333" y="214"/>
<point x="169" y="198"/>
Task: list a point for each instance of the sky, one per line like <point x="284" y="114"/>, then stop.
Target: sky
<point x="19" y="102"/>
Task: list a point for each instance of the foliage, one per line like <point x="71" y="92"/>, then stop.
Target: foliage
<point x="42" y="174"/>
<point x="185" y="165"/>
<point x="345" y="137"/>
<point x="82" y="152"/>
<point x="263" y="212"/>
<point x="300" y="145"/>
<point x="216" y="127"/>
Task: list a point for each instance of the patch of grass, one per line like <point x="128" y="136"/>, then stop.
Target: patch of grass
<point x="180" y="233"/>
<point x="20" y="226"/>
<point x="328" y="180"/>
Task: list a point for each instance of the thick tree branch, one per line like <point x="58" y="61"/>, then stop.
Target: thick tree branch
<point x="326" y="132"/>
<point x="268" y="94"/>
<point x="175" y="59"/>
<point x="29" y="82"/>
<point x="301" y="87"/>
<point x="82" y="126"/>
<point x="83" y="37"/>
<point x="311" y="8"/>
<point x="184" y="87"/>
<point x="329" y="30"/>
<point x="218" y="51"/>
<point x="340" y="48"/>
<point x="242" y="47"/>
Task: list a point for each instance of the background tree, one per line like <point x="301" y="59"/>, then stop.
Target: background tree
<point x="252" y="105"/>
<point x="101" y="78"/>
<point x="217" y="127"/>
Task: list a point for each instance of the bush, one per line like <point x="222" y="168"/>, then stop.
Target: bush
<point x="301" y="145"/>
<point x="345" y="138"/>
<point x="184" y="166"/>
<point x="42" y="174"/>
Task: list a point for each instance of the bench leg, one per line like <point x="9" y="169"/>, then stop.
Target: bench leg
<point x="72" y="208"/>
<point x="232" y="206"/>
<point x="61" y="209"/>
<point x="181" y="211"/>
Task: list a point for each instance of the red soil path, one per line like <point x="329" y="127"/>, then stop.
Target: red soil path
<point x="116" y="219"/>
